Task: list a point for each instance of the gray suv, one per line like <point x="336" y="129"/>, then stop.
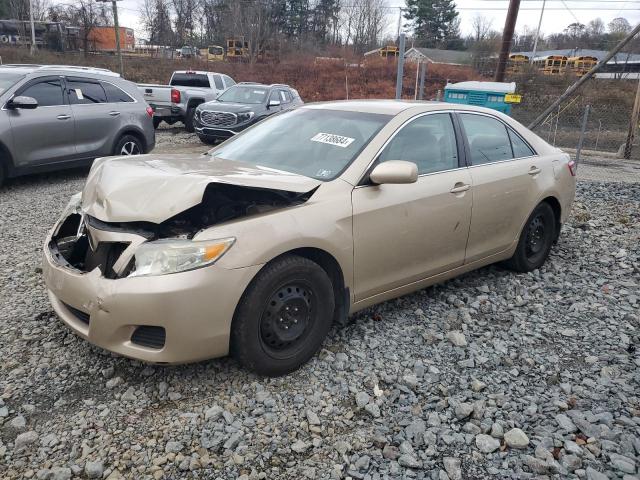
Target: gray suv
<point x="55" y="117"/>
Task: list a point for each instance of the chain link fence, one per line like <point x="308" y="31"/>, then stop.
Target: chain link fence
<point x="607" y="126"/>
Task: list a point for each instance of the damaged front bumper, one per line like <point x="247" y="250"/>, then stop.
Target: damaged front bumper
<point x="175" y="318"/>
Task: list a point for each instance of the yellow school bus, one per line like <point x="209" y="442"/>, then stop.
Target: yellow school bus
<point x="581" y="65"/>
<point x="517" y="63"/>
<point x="551" y="64"/>
<point x="237" y="48"/>
<point x="212" y="53"/>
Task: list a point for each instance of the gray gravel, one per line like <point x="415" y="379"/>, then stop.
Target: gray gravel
<point x="490" y="375"/>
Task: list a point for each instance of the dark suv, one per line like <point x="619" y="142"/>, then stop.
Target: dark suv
<point x="241" y="106"/>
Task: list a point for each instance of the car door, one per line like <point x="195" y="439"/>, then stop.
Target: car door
<point x="286" y="99"/>
<point x="96" y="120"/>
<point x="405" y="233"/>
<point x="505" y="185"/>
<point x="46" y="133"/>
<point x="274" y="96"/>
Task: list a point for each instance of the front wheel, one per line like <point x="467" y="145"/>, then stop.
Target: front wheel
<point x="188" y="120"/>
<point x="128" y="145"/>
<point x="535" y="242"/>
<point x="283" y="316"/>
<point x="207" y="140"/>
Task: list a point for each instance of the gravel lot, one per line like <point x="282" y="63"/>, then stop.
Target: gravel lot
<point x="493" y="374"/>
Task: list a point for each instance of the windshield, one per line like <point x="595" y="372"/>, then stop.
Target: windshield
<point x="245" y="94"/>
<point x="315" y="143"/>
<point x="7" y="80"/>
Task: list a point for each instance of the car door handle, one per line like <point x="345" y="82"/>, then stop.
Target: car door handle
<point x="114" y="114"/>
<point x="460" y="187"/>
<point x="63" y="117"/>
<point x="534" y="171"/>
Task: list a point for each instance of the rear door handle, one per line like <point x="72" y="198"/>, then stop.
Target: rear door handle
<point x="534" y="171"/>
<point x="63" y="117"/>
<point x="460" y="187"/>
<point x="114" y="114"/>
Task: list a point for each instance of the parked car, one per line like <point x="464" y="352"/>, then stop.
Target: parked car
<point x="240" y="107"/>
<point x="257" y="247"/>
<point x="57" y="116"/>
<point x="187" y="89"/>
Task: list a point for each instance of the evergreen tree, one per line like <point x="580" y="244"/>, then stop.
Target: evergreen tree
<point x="434" y="21"/>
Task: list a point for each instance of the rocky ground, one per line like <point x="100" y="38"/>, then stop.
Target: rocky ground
<point x="493" y="374"/>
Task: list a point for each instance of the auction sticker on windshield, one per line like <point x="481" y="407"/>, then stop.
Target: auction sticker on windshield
<point x="332" y="139"/>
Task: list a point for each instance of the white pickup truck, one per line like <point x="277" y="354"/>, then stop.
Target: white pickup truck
<point x="186" y="90"/>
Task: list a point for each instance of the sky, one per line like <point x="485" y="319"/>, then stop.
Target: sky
<point x="558" y="13"/>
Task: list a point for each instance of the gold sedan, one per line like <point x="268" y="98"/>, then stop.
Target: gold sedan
<point x="259" y="246"/>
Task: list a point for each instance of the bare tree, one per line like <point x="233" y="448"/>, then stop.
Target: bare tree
<point x="364" y="23"/>
<point x="252" y="20"/>
<point x="482" y="26"/>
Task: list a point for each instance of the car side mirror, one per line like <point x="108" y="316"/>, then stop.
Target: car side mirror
<point x="394" y="171"/>
<point x="27" y="103"/>
<point x="274" y="103"/>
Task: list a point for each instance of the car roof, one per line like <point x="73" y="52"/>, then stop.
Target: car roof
<point x="257" y="84"/>
<point x="393" y="107"/>
<point x="27" y="68"/>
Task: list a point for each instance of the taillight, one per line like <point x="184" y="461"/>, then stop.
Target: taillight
<point x="573" y="167"/>
<point x="149" y="111"/>
<point x="175" y="96"/>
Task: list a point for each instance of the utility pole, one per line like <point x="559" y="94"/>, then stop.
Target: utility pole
<point x="400" y="73"/>
<point x="33" y="29"/>
<point x="399" y="23"/>
<point x="633" y="125"/>
<point x="535" y="43"/>
<point x="507" y="37"/>
<point x="117" y="31"/>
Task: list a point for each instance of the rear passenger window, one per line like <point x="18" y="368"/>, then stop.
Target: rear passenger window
<point x="286" y="97"/>
<point x="82" y="92"/>
<point x="488" y="139"/>
<point x="217" y="79"/>
<point x="428" y="141"/>
<point x="115" y="94"/>
<point x="520" y="148"/>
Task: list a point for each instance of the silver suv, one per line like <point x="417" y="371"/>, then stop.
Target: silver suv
<point x="55" y="117"/>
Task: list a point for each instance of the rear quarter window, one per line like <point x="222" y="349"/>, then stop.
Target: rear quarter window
<point x="115" y="94"/>
<point x="190" y="80"/>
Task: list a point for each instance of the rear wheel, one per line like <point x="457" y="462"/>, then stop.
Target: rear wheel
<point x="535" y="242"/>
<point x="283" y="316"/>
<point x="3" y="173"/>
<point x="188" y="120"/>
<point x="156" y="122"/>
<point x="129" y="145"/>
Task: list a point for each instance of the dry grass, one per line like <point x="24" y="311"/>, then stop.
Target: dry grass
<point x="316" y="81"/>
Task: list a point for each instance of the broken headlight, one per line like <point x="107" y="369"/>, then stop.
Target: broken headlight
<point x="165" y="256"/>
<point x="73" y="206"/>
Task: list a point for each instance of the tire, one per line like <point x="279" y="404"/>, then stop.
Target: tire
<point x="156" y="122"/>
<point x="129" y="143"/>
<point x="266" y="336"/>
<point x="3" y="174"/>
<point x="188" y="120"/>
<point x="535" y="241"/>
<point x="207" y="140"/>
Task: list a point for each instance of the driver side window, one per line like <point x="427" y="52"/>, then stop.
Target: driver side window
<point x="428" y="141"/>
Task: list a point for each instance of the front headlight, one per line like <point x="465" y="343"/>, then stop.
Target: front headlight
<point x="172" y="256"/>
<point x="245" y="116"/>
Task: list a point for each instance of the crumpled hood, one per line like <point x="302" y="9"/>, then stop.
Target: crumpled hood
<point x="154" y="188"/>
